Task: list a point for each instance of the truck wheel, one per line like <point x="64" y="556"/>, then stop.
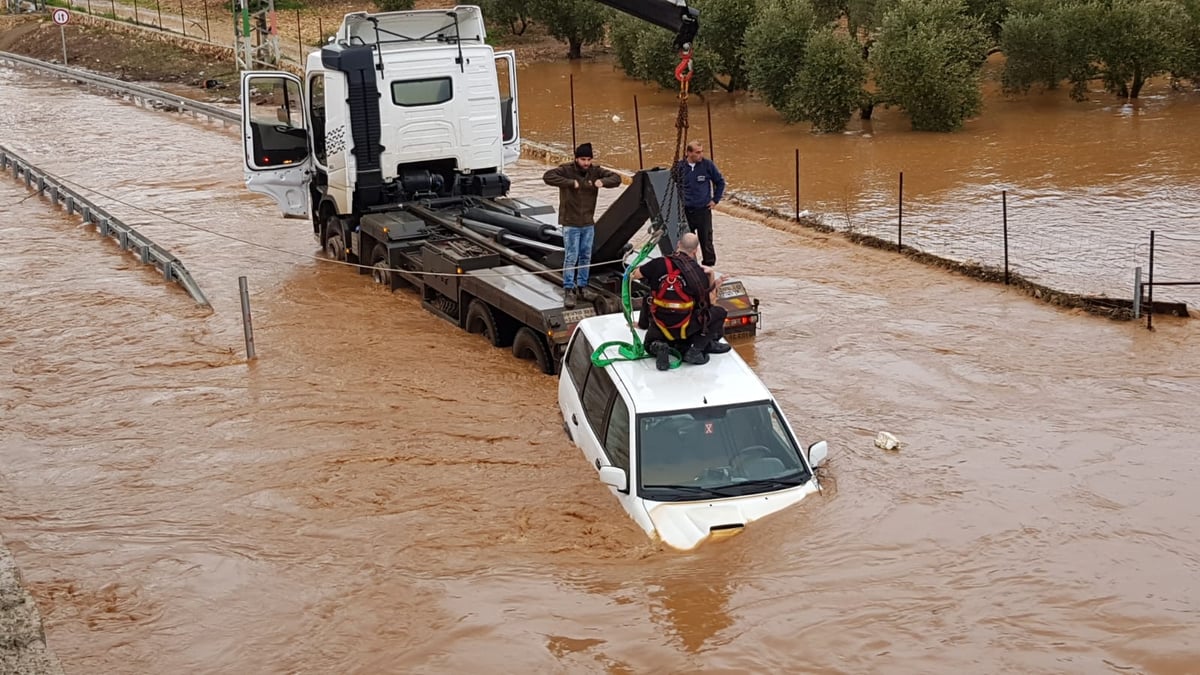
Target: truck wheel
<point x="481" y="320"/>
<point x="529" y="345"/>
<point x="381" y="269"/>
<point x="335" y="241"/>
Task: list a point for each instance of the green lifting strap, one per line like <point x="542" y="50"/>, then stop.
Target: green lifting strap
<point x="635" y="350"/>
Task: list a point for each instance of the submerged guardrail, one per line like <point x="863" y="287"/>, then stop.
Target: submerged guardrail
<point x="106" y="224"/>
<point x="149" y="96"/>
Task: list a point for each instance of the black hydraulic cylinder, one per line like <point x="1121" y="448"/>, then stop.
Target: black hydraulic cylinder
<point x="524" y="227"/>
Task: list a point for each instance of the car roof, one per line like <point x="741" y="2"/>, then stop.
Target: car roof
<point x="726" y="379"/>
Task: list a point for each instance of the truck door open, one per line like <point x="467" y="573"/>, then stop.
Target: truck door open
<point x="506" y="75"/>
<point x="275" y="139"/>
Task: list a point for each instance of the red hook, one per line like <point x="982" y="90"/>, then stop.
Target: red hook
<point x="685" y="65"/>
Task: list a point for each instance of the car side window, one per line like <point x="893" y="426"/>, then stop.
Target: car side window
<point x="579" y="361"/>
<point x="597" y="396"/>
<point x="616" y="439"/>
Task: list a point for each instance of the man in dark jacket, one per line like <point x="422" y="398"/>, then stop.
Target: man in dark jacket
<point x="578" y="184"/>
<point x="703" y="187"/>
<point x="697" y="335"/>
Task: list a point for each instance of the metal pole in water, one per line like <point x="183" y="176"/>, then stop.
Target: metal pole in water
<point x="1004" y="203"/>
<point x="573" y="142"/>
<point x="1137" y="292"/>
<point x="1150" y="291"/>
<point x="797" y="193"/>
<point x="247" y="328"/>
<point x="708" y="111"/>
<point x="900" y="217"/>
<point x="637" y="122"/>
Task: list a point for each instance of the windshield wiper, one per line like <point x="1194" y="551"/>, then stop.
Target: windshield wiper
<point x="792" y="481"/>
<point x="696" y="489"/>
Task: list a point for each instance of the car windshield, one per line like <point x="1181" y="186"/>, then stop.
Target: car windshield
<point x="723" y="451"/>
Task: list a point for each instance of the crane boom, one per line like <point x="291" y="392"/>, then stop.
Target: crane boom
<point x="674" y="15"/>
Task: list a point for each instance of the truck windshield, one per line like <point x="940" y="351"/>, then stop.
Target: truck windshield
<point x="715" y="452"/>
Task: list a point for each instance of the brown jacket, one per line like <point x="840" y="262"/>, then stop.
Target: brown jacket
<point x="577" y="206"/>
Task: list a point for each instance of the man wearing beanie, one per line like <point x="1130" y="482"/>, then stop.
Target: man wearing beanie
<point x="578" y="184"/>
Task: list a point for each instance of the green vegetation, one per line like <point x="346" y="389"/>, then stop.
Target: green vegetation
<point x="817" y="60"/>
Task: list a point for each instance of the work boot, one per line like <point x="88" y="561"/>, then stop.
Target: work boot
<point x="717" y="347"/>
<point x="695" y="356"/>
<point x="569" y="298"/>
<point x="662" y="355"/>
<point x="585" y="294"/>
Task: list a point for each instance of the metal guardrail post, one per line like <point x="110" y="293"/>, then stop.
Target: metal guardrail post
<point x="247" y="326"/>
<point x="1137" y="292"/>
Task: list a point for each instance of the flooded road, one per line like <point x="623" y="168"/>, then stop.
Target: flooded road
<point x="382" y="491"/>
<point x="1086" y="182"/>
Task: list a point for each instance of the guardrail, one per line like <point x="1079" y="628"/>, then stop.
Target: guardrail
<point x="106" y="224"/>
<point x="148" y="96"/>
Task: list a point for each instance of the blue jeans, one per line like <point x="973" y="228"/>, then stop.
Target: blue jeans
<point x="577" y="242"/>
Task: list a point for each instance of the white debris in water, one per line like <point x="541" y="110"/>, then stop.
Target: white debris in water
<point x="886" y="441"/>
<point x="616" y="118"/>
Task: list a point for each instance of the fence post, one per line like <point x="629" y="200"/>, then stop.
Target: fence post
<point x="89" y="6"/>
<point x="207" y="26"/>
<point x="1137" y="292"/>
<point x="113" y="4"/>
<point x="135" y="13"/>
<point x="299" y="37"/>
<point x="797" y="193"/>
<point x="573" y="142"/>
<point x="637" y="122"/>
<point x="247" y="328"/>
<point x="1150" y="291"/>
<point x="158" y="6"/>
<point x="708" y="111"/>
<point x="900" y="217"/>
<point x="320" y="31"/>
<point x="1004" y="207"/>
<point x="182" y="19"/>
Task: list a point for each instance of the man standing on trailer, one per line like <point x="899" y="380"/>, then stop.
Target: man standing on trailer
<point x="703" y="187"/>
<point x="578" y="184"/>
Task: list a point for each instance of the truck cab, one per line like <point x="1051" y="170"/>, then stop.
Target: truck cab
<point x="398" y="106"/>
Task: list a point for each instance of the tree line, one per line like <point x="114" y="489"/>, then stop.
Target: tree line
<point x="820" y="61"/>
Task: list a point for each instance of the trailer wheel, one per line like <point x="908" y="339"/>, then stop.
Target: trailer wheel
<point x="529" y="345"/>
<point x="381" y="269"/>
<point x="482" y="320"/>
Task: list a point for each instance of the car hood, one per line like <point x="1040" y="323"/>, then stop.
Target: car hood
<point x="685" y="525"/>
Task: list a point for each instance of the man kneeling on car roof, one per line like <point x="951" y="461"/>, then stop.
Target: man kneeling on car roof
<point x="683" y="308"/>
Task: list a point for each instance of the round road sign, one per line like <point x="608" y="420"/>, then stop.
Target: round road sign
<point x="61" y="16"/>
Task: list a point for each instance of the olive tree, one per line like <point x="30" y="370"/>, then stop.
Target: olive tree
<point x="515" y="15"/>
<point x="926" y="61"/>
<point x="774" y="49"/>
<point x="830" y="85"/>
<point x="576" y="22"/>
<point x="1138" y="40"/>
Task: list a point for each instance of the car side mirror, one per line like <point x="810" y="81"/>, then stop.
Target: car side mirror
<point x="614" y="477"/>
<point x="817" y="452"/>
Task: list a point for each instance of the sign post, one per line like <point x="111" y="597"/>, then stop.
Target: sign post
<point x="62" y="17"/>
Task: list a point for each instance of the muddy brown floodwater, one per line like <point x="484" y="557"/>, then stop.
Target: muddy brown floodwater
<point x="1086" y="182"/>
<point x="381" y="491"/>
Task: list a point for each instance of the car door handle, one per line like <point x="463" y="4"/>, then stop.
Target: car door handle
<point x="574" y="419"/>
<point x="597" y="463"/>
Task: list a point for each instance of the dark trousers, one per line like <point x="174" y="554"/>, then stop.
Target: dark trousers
<point x="714" y="330"/>
<point x="700" y="221"/>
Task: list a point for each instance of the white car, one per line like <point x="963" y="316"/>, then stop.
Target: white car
<point x="691" y="453"/>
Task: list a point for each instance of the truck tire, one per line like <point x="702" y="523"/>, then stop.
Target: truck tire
<point x="529" y="345"/>
<point x="381" y="270"/>
<point x="335" y="239"/>
<point x="482" y="320"/>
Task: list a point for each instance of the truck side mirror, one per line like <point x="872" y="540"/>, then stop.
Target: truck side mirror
<point x="817" y="452"/>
